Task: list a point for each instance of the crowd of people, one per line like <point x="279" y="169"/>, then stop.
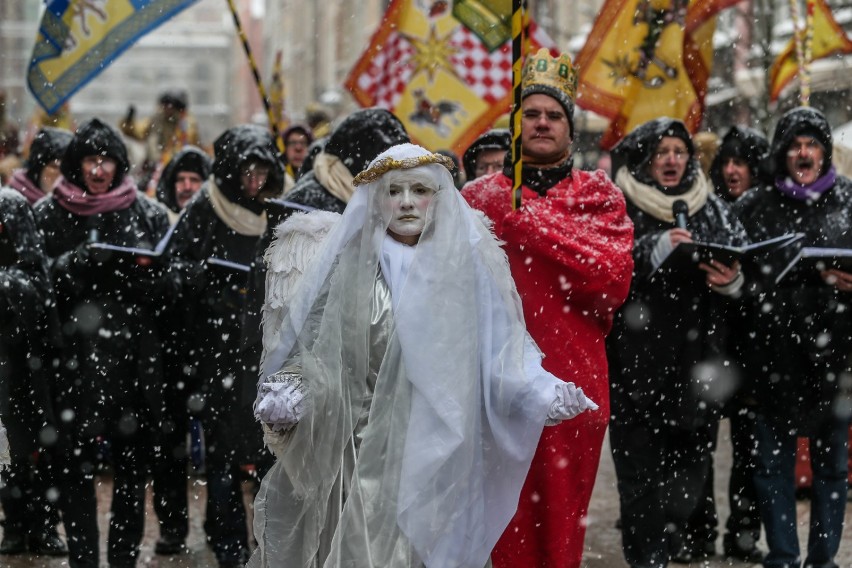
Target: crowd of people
<point x="422" y="376"/>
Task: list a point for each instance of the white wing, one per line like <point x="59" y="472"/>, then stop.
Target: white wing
<point x="296" y="241"/>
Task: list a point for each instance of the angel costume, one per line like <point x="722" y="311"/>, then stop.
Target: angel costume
<point x="424" y="397"/>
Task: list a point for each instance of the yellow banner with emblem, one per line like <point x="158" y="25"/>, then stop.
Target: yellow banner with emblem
<point x="444" y="69"/>
<point x="645" y="59"/>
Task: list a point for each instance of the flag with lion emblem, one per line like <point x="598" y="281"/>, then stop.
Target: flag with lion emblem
<point x="645" y="59"/>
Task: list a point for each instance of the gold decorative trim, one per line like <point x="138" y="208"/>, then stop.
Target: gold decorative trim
<point x="385" y="165"/>
<point x="556" y="72"/>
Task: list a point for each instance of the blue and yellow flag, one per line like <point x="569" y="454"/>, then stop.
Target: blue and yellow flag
<point x="77" y="39"/>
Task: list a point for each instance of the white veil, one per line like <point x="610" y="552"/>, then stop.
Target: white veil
<point x="453" y="420"/>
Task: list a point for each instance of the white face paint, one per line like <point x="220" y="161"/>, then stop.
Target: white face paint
<point x="404" y="208"/>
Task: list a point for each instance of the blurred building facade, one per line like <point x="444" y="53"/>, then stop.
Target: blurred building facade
<point x="199" y="51"/>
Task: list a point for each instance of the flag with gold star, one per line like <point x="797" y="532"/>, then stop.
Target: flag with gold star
<point x="443" y="68"/>
<point x="645" y="59"/>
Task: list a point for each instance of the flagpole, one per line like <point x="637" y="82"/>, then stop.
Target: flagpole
<point x="798" y="39"/>
<point x="805" y="79"/>
<point x="273" y="124"/>
<point x="517" y="63"/>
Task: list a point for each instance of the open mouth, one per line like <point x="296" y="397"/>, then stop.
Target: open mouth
<point x="804" y="168"/>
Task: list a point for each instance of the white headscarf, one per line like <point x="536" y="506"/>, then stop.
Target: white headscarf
<point x="454" y="420"/>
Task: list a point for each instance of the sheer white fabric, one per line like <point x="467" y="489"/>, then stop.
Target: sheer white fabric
<point x="421" y="462"/>
<point x="5" y="455"/>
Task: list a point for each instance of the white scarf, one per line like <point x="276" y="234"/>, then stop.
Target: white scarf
<point x="238" y="218"/>
<point x="334" y="176"/>
<point x="656" y="203"/>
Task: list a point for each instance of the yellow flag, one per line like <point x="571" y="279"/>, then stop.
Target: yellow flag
<point x="77" y="39"/>
<point x="828" y="39"/>
<point x="645" y="59"/>
<point x="446" y="73"/>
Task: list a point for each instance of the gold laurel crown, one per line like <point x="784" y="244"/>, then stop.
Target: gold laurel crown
<point x="556" y="72"/>
<point x="385" y="165"/>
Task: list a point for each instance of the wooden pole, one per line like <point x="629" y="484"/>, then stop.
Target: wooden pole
<point x="273" y="123"/>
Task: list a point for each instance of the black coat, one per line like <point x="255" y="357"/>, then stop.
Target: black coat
<point x="214" y="298"/>
<point x="27" y="326"/>
<point x="108" y="308"/>
<point x="311" y="193"/>
<point x="799" y="333"/>
<point x="667" y="326"/>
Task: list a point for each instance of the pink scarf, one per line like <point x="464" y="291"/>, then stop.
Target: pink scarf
<point x="25" y="185"/>
<point x="77" y="201"/>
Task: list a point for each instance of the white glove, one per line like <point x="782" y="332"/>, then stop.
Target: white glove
<point x="281" y="404"/>
<point x="570" y="402"/>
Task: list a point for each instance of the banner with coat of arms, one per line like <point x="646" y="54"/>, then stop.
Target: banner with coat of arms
<point x="77" y="39"/>
<point x="443" y="68"/>
<point x="645" y="59"/>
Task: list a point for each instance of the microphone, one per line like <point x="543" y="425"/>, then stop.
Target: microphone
<point x="680" y="210"/>
<point x="93" y="224"/>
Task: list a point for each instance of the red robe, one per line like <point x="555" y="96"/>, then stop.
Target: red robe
<point x="571" y="256"/>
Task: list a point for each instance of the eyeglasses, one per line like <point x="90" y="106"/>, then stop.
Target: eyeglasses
<point x="107" y="164"/>
<point x="256" y="171"/>
<point x="679" y="155"/>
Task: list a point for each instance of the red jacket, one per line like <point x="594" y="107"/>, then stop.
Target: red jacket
<point x="571" y="257"/>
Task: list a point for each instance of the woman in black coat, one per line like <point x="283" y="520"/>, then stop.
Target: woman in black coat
<point x="801" y="340"/>
<point x="664" y="337"/>
<point x="27" y="345"/>
<point x="109" y="385"/>
<point x="224" y="222"/>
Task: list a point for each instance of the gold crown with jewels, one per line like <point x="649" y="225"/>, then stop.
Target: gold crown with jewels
<point x="544" y="70"/>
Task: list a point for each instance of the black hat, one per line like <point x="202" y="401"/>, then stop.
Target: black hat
<point x="94" y="138"/>
<point x="496" y="139"/>
<point x="48" y="145"/>
<point x="363" y="135"/>
<point x="636" y="150"/>
<point x="800" y="121"/>
<point x="176" y="98"/>
<point x="303" y="128"/>
<point x="237" y="146"/>
<point x="189" y="159"/>
<point x="740" y="142"/>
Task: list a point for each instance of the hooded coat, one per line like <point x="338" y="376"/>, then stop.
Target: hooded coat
<point x="362" y="136"/>
<point x="212" y="298"/>
<point x="107" y="304"/>
<point x="747" y="144"/>
<point x="27" y="326"/>
<point x="668" y="324"/>
<point x="800" y="335"/>
<point x="188" y="159"/>
<point x="49" y="144"/>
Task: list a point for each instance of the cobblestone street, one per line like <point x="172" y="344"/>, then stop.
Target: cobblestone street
<point x="603" y="540"/>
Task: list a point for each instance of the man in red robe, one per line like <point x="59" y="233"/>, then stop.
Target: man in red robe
<point x="570" y="250"/>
